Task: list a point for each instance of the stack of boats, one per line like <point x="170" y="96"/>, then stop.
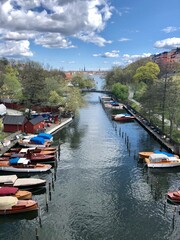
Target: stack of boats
<point x="16" y="193"/>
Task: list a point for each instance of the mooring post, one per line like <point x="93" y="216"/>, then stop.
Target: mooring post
<point x="40" y="222"/>
<point x="165" y="203"/>
<point x="46" y="199"/>
<point x="37" y="235"/>
<point x="50" y="191"/>
<point x="174" y="218"/>
<point x="52" y="182"/>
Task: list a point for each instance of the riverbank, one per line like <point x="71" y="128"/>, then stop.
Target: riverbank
<point x="12" y="138"/>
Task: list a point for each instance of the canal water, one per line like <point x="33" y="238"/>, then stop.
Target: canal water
<point x="101" y="189"/>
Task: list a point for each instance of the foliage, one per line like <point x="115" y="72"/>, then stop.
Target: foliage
<point x="148" y="73"/>
<point x="120" y="91"/>
<point x="82" y="81"/>
<point x="74" y="100"/>
<point x="11" y="86"/>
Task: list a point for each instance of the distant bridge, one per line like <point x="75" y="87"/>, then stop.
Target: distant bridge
<point x="96" y="91"/>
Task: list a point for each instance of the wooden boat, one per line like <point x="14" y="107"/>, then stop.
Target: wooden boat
<point x="34" y="148"/>
<point x="33" y="158"/>
<point x="11" y="205"/>
<point x="23" y="152"/>
<point x="174" y="197"/>
<point x="123" y="117"/>
<point x="23" y="165"/>
<point x="147" y="154"/>
<point x="162" y="161"/>
<point x="21" y="183"/>
<point x="13" y="191"/>
<point x="46" y="136"/>
<point x="34" y="142"/>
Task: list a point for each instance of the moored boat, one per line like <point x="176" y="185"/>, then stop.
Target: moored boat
<point x="162" y="161"/>
<point x="22" y="183"/>
<point x="34" y="142"/>
<point x="14" y="191"/>
<point x="23" y="152"/>
<point x="23" y="165"/>
<point x="147" y="154"/>
<point x="123" y="117"/>
<point x="11" y="205"/>
<point x="174" y="197"/>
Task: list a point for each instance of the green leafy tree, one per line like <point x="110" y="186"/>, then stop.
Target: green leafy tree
<point x="121" y="91"/>
<point x="33" y="82"/>
<point x="74" y="100"/>
<point x="55" y="99"/>
<point x="11" y="87"/>
<point x="148" y="73"/>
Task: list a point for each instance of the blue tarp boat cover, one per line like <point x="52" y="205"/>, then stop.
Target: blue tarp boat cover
<point x="45" y="135"/>
<point x="14" y="161"/>
<point x="166" y="153"/>
<point x="37" y="140"/>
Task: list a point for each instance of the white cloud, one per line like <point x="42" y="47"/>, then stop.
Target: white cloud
<point x="53" y="40"/>
<point x="15" y="49"/>
<point x="112" y="54"/>
<point x="32" y="19"/>
<point x="170" y="29"/>
<point x="168" y="43"/>
<point x="124" y="39"/>
<point x="93" y="38"/>
<point x="127" y="59"/>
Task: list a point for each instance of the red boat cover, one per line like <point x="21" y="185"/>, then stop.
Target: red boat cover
<point x="5" y="191"/>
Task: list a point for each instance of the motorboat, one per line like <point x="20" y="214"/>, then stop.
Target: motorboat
<point x="21" y="183"/>
<point x="11" y="205"/>
<point x="23" y="165"/>
<point x="14" y="191"/>
<point x="123" y="117"/>
<point x="147" y="154"/>
<point x="156" y="160"/>
<point x="174" y="196"/>
<point x="34" y="142"/>
<point x="22" y="152"/>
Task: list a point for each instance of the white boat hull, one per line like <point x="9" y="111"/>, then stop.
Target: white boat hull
<point x="24" y="170"/>
<point x="163" y="165"/>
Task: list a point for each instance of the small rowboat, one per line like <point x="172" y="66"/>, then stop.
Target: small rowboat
<point x="11" y="205"/>
<point x="13" y="191"/>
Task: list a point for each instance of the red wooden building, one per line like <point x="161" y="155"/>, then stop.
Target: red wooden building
<point x="35" y="125"/>
<point x="14" y="123"/>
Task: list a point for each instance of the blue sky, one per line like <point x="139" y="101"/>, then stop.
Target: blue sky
<point x="95" y="34"/>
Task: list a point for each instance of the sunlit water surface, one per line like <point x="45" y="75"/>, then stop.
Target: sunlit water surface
<point x="102" y="191"/>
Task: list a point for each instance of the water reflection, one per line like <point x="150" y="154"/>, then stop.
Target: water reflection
<point x="101" y="190"/>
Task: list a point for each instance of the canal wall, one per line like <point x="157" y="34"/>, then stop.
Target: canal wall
<point x="164" y="140"/>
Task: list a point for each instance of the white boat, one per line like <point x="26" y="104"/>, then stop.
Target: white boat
<point x="21" y="183"/>
<point x="162" y="161"/>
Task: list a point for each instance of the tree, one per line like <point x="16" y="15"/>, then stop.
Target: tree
<point x="148" y="73"/>
<point x="11" y="87"/>
<point x="121" y="91"/>
<point x="33" y="82"/>
<point x="74" y="100"/>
